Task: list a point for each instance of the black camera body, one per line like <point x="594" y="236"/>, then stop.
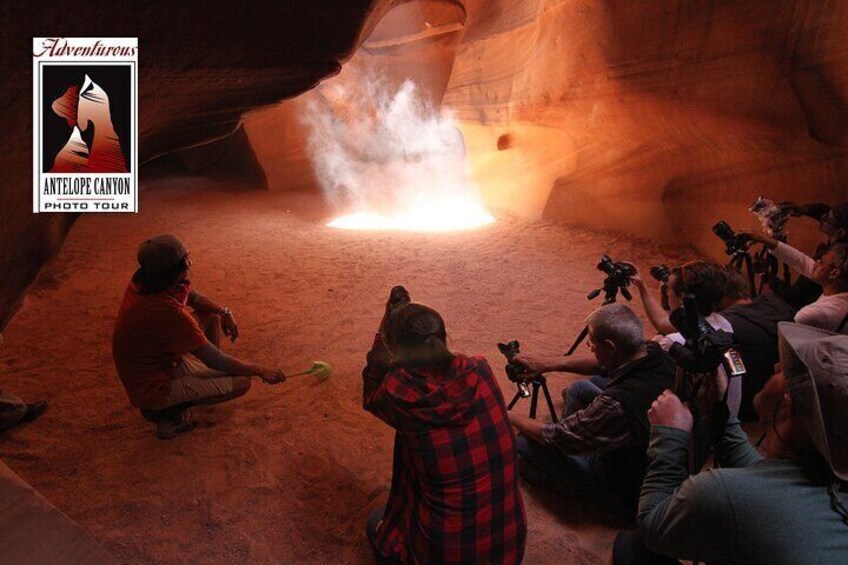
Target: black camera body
<point x="398" y="296"/>
<point x="618" y="278"/>
<point x="733" y="243"/>
<point x="660" y="273"/>
<point x="706" y="348"/>
<point x="515" y="372"/>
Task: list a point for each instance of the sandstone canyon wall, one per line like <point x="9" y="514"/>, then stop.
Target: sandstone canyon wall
<point x="202" y="65"/>
<point x="653" y="118"/>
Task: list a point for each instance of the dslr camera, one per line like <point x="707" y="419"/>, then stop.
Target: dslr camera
<point x="515" y="372"/>
<point x="618" y="278"/>
<point x="734" y="243"/>
<point x="705" y="348"/>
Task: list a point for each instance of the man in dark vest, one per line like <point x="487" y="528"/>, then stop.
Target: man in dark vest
<point x="598" y="449"/>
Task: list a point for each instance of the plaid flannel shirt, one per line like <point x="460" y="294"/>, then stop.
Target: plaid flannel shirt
<point x="454" y="495"/>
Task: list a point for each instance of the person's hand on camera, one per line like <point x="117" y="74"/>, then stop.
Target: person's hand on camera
<point x="637" y="281"/>
<point x="533" y="363"/>
<point x="668" y="411"/>
<point x="759" y="237"/>
<point x="271" y="376"/>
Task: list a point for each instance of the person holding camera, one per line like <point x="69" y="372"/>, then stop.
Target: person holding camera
<point x="785" y="507"/>
<point x="155" y="332"/>
<point x="455" y="495"/>
<point x="597" y="450"/>
<point x="829" y="271"/>
<point x="753" y="322"/>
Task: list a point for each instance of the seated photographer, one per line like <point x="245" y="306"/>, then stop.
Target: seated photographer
<point x="598" y="451"/>
<point x="830" y="272"/>
<point x="785" y="507"/>
<point x="754" y="326"/>
<point x="455" y="495"/>
<point x="702" y="279"/>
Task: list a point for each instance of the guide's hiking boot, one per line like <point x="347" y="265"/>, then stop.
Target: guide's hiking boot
<point x="171" y="422"/>
<point x="173" y="428"/>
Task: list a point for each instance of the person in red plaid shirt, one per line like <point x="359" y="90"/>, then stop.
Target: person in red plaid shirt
<point x="454" y="495"/>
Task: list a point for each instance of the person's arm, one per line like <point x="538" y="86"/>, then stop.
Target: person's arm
<point x="796" y="260"/>
<point x="202" y="303"/>
<point x="653" y="309"/>
<point x="734" y="449"/>
<point x="216" y="359"/>
<point x="678" y="516"/>
<point x="599" y="427"/>
<point x="585" y="364"/>
<point x="686" y="518"/>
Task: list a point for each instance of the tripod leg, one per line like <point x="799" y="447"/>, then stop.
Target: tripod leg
<point x="514" y="400"/>
<point x="580" y="337"/>
<point x="752" y="282"/>
<point x="550" y="402"/>
<point x="534" y="400"/>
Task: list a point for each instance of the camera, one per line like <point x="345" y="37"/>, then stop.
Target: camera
<point x="398" y="296"/>
<point x="705" y="348"/>
<point x="660" y="273"/>
<point x="733" y="243"/>
<point x="618" y="278"/>
<point x="515" y="372"/>
<point x="773" y="216"/>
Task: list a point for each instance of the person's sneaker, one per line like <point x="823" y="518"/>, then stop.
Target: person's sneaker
<point x="171" y="428"/>
<point x="33" y="411"/>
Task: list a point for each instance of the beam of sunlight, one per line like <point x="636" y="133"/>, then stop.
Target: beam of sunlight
<point x="388" y="160"/>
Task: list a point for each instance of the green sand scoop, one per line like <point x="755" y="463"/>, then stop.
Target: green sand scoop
<point x="320" y="369"/>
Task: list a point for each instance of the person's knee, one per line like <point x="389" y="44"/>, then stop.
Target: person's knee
<point x="241" y="385"/>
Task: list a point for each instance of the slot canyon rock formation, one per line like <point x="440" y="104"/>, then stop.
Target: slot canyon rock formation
<point x="653" y="118"/>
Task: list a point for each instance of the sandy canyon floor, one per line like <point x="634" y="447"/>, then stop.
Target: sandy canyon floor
<point x="286" y="474"/>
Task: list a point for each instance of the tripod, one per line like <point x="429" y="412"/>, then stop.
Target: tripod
<point x="536" y="381"/>
<point x="741" y="261"/>
<point x="610" y="290"/>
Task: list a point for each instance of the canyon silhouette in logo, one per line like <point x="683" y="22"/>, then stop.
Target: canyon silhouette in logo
<point x="86" y="119"/>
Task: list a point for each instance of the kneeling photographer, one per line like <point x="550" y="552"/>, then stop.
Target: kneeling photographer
<point x="597" y="451"/>
<point x="785" y="507"/>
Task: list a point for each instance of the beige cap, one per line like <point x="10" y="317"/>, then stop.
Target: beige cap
<point x="815" y="364"/>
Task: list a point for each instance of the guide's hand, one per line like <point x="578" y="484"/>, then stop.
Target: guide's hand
<point x="229" y="326"/>
<point x="272" y="376"/>
<point x="667" y="410"/>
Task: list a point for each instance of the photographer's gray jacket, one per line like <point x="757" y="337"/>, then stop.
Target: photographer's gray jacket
<point x="753" y="510"/>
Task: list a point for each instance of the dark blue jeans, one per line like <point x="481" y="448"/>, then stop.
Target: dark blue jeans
<point x="572" y="476"/>
<point x="580" y="394"/>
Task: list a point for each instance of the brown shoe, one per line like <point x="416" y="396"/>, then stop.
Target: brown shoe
<point x="180" y="423"/>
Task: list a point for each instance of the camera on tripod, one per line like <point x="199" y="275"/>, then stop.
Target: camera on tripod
<point x="705" y="348"/>
<point x="525" y="380"/>
<point x="660" y="273"/>
<point x="618" y="279"/>
<point x="733" y="243"/>
<point x="515" y="372"/>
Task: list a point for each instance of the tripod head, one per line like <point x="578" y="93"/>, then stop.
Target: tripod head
<point x="618" y="279"/>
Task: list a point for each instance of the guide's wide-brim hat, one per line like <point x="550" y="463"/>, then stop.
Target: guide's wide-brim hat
<point x="160" y="253"/>
<point x="815" y="365"/>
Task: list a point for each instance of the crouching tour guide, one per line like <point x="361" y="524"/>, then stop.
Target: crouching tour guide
<point x="166" y="342"/>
